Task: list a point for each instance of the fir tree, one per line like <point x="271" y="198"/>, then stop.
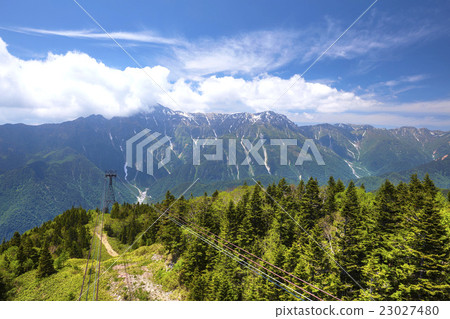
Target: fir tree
<point x="300" y="189"/>
<point x="311" y="204"/>
<point x="330" y="192"/>
<point x="428" y="269"/>
<point x="45" y="267"/>
<point x="21" y="260"/>
<point x="255" y="213"/>
<point x="3" y="288"/>
<point x="340" y="187"/>
<point x="15" y="240"/>
<point x="352" y="244"/>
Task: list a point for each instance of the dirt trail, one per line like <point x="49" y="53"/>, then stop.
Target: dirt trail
<point x="143" y="282"/>
<point x="108" y="247"/>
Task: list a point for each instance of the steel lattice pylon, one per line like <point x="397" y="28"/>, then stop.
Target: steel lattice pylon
<point x="109" y="198"/>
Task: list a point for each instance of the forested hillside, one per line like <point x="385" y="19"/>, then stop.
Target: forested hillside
<point x="46" y="169"/>
<point x="280" y="242"/>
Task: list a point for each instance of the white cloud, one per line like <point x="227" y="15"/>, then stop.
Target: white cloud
<point x="248" y="53"/>
<point x="404" y="79"/>
<point x="143" y="36"/>
<point x="66" y="86"/>
<point x="255" y="52"/>
<point x="382" y="119"/>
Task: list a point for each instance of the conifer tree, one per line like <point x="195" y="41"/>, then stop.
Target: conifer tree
<point x="198" y="288"/>
<point x="300" y="189"/>
<point x="330" y="192"/>
<point x="115" y="210"/>
<point x="383" y="254"/>
<point x="45" y="267"/>
<point x="311" y="204"/>
<point x="21" y="260"/>
<point x="340" y="187"/>
<point x="3" y="246"/>
<point x="427" y="272"/>
<point x="231" y="223"/>
<point x="387" y="209"/>
<point x="255" y="212"/>
<point x="352" y="244"/>
<point x="319" y="270"/>
<point x="3" y="288"/>
<point x="15" y="240"/>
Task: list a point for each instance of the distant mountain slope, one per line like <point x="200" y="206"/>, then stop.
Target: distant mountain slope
<point x="439" y="171"/>
<point x="370" y="151"/>
<point x="47" y="184"/>
<point x="48" y="168"/>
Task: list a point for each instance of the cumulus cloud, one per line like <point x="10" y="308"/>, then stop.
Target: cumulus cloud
<point x="66" y="86"/>
<point x="71" y="85"/>
<point x="63" y="87"/>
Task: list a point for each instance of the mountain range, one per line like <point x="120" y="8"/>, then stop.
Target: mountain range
<point x="45" y="169"/>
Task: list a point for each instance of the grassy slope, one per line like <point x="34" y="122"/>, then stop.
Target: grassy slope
<point x="66" y="283"/>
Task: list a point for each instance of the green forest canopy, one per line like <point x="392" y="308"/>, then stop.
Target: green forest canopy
<point x="345" y="242"/>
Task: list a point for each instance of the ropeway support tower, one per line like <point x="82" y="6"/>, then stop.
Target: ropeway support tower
<point x="95" y="251"/>
<point x="109" y="190"/>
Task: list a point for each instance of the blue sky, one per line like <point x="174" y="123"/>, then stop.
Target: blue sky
<point x="390" y="69"/>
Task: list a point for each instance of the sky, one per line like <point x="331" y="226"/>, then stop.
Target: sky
<point x="63" y="59"/>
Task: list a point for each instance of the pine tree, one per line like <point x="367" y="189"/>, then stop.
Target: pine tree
<point x="256" y="215"/>
<point x="427" y="272"/>
<point x="232" y="220"/>
<point x="340" y="187"/>
<point x="283" y="187"/>
<point x="382" y="247"/>
<point x="311" y="204"/>
<point x="352" y="244"/>
<point x="199" y="288"/>
<point x="3" y="246"/>
<point x="45" y="267"/>
<point x="15" y="240"/>
<point x="429" y="186"/>
<point x="416" y="193"/>
<point x="317" y="268"/>
<point x="115" y="210"/>
<point x="330" y="192"/>
<point x="275" y="253"/>
<point x="300" y="189"/>
<point x="21" y="260"/>
<point x="387" y="209"/>
<point x="3" y="288"/>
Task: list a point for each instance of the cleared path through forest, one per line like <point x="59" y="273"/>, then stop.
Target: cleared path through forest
<point x="108" y="247"/>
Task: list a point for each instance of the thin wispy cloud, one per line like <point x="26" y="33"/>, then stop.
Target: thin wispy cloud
<point x="265" y="50"/>
<point x="370" y="38"/>
<point x="70" y="85"/>
<point x="142" y="36"/>
<point x="397" y="86"/>
<point x="222" y="74"/>
<point x="387" y="119"/>
<point x="404" y="79"/>
<point x="250" y="53"/>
